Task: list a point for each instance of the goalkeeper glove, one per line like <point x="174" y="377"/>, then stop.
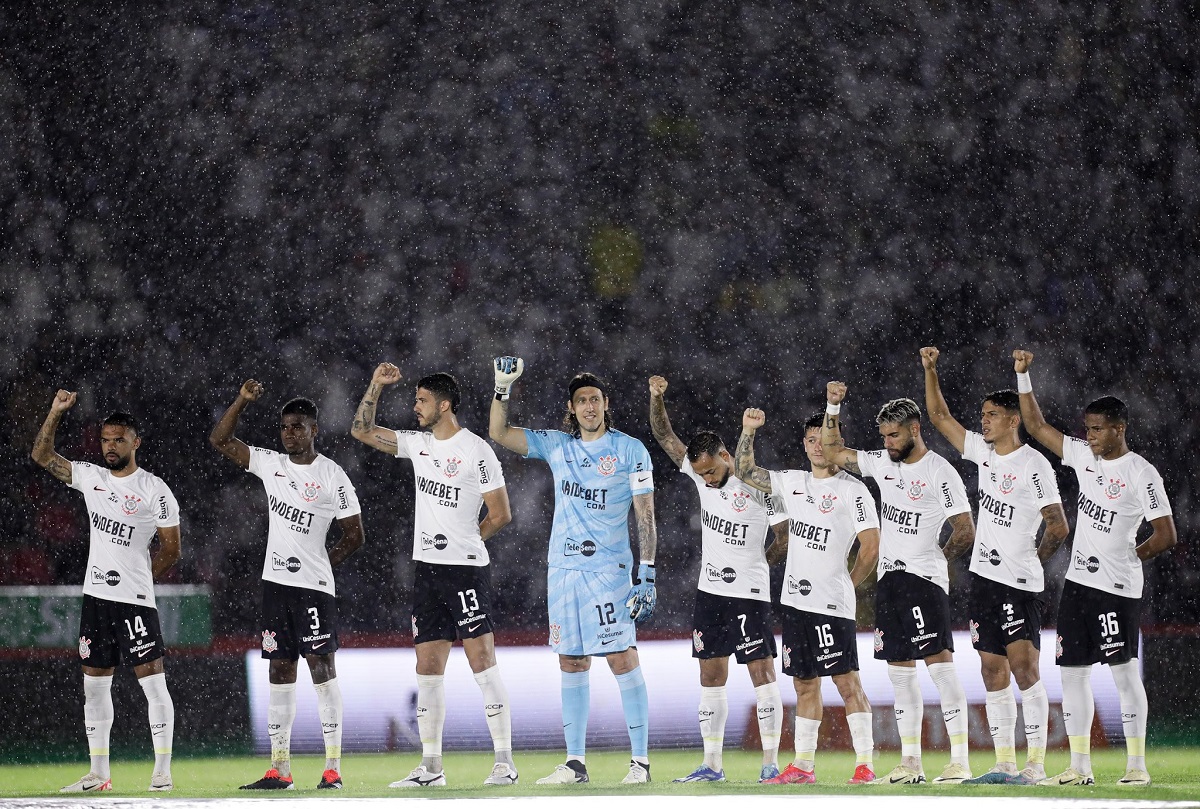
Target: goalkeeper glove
<point x="643" y="598"/>
<point x="508" y="370"/>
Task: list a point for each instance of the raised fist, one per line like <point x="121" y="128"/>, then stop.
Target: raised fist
<point x="1022" y="359"/>
<point x="753" y="418"/>
<point x="658" y="385"/>
<point x="835" y="392"/>
<point x="508" y="371"/>
<point x="251" y="390"/>
<point x="64" y="400"/>
<point x="929" y="357"/>
<point x="386" y="374"/>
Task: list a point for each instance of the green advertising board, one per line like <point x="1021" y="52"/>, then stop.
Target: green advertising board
<point x="48" y="617"/>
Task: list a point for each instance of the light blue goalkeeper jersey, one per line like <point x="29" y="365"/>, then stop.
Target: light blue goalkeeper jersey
<point x="594" y="485"/>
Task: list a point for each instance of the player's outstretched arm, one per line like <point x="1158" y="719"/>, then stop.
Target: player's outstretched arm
<point x="1055" y="532"/>
<point x="170" y="548"/>
<point x="743" y="457"/>
<point x="777" y="550"/>
<point x="1031" y="412"/>
<point x="962" y="535"/>
<point x="508" y="370"/>
<point x="351" y="540"/>
<point x="363" y="427"/>
<point x="868" y="555"/>
<point x="935" y="403"/>
<point x="43" y="453"/>
<point x="660" y="424"/>
<point x="832" y="445"/>
<point x="222" y="437"/>
<point x="643" y="597"/>
<point x="1162" y="540"/>
<point x="499" y="513"/>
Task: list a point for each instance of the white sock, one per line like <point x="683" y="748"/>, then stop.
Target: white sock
<point x="431" y="716"/>
<point x="281" y="713"/>
<point x="329" y="709"/>
<point x="161" y="711"/>
<point x="770" y="720"/>
<point x="497" y="712"/>
<point x="98" y="720"/>
<point x="954" y="709"/>
<point x="1133" y="711"/>
<point x="862" y="736"/>
<point x="714" y="711"/>
<point x="806" y="743"/>
<point x="1002" y="721"/>
<point x="1035" y="706"/>
<point x="1078" y="710"/>
<point x="910" y="709"/>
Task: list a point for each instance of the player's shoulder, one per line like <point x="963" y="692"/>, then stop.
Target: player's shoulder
<point x="874" y="455"/>
<point x="151" y="480"/>
<point x="933" y="460"/>
<point x="325" y="465"/>
<point x="1139" y="465"/>
<point x="789" y="477"/>
<point x="845" y="480"/>
<point x="626" y="440"/>
<point x="264" y="454"/>
<point x="1030" y="458"/>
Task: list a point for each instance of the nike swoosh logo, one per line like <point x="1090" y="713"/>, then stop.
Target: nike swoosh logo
<point x="144" y="652"/>
<point x="98" y="489"/>
<point x="985" y="463"/>
<point x="606" y="642"/>
<point x="473" y="628"/>
<point x="1014" y="630"/>
<point x="635" y="727"/>
<point x="426" y="454"/>
<point x="888" y="477"/>
<point x="1111" y="652"/>
<point x="796" y="492"/>
<point x="280" y="475"/>
<point x="923" y="645"/>
<point x="318" y="645"/>
<point x="1088" y="468"/>
<point x="831" y="665"/>
<point x="93" y="786"/>
<point x="642" y="480"/>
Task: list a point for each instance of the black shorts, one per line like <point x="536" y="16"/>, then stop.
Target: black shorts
<point x="912" y="618"/>
<point x="297" y="621"/>
<point x="1001" y="615"/>
<point x="1096" y="627"/>
<point x="451" y="601"/>
<point x="816" y="645"/>
<point x="113" y="632"/>
<point x="724" y="626"/>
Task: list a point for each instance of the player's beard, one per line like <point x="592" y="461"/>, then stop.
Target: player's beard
<point x="901" y="455"/>
<point x="117" y="465"/>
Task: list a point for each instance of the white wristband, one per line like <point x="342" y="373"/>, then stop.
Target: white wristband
<point x="833" y="409"/>
<point x="1024" y="383"/>
<point x="502" y="392"/>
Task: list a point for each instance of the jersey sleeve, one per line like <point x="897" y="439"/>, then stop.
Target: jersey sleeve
<point x="776" y="513"/>
<point x="402" y="439"/>
<point x="1076" y="454"/>
<point x="865" y="515"/>
<point x="1152" y="495"/>
<point x="258" y="455"/>
<point x="1042" y="482"/>
<point x="491" y="474"/>
<point x="166" y="507"/>
<point x="541" y="443"/>
<point x="345" y="499"/>
<point x="641" y="479"/>
<point x="868" y="463"/>
<point x="778" y="484"/>
<point x="975" y="449"/>
<point x="952" y="494"/>
<point x="81" y="472"/>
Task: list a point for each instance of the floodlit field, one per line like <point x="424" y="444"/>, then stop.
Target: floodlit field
<point x="1176" y="773"/>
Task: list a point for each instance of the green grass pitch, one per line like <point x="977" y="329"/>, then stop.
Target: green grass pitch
<point x="1176" y="773"/>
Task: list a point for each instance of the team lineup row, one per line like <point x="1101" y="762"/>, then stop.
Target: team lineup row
<point x="596" y="594"/>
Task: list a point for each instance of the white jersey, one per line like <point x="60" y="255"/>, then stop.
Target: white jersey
<point x="733" y="559"/>
<point x="125" y="513"/>
<point x="302" y="501"/>
<point x="825" y="516"/>
<point x="1114" y="498"/>
<point x="1013" y="490"/>
<point x="451" y="478"/>
<point x="917" y="499"/>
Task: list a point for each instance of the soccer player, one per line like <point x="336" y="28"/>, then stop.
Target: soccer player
<point x="305" y="493"/>
<point x="456" y="473"/>
<point x="127" y="506"/>
<point x="827" y="510"/>
<point x="599" y="473"/>
<point x="1017" y="492"/>
<point x="1101" y="605"/>
<point x="733" y="598"/>
<point x="920" y="491"/>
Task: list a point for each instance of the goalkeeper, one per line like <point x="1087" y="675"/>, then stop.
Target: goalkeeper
<point x="598" y="473"/>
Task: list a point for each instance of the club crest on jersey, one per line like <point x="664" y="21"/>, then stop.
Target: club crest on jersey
<point x="453" y="465"/>
<point x="1113" y="490"/>
<point x="310" y="492"/>
<point x="698" y="641"/>
<point x="740" y="501"/>
<point x="975" y="632"/>
<point x="85" y="647"/>
<point x="879" y="640"/>
<point x="606" y="465"/>
<point x="1007" y="483"/>
<point x="555" y="634"/>
<point x="269" y="643"/>
<point x="916" y="490"/>
<point x="130" y="506"/>
<point x="826" y="504"/>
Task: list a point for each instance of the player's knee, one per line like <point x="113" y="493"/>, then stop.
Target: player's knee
<point x="761" y="671"/>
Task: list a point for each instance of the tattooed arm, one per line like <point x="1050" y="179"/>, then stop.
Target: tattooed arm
<point x="660" y="425"/>
<point x="43" y="446"/>
<point x="777" y="550"/>
<point x="643" y="510"/>
<point x="1056" y="531"/>
<point x="743" y="458"/>
<point x="962" y="535"/>
<point x="832" y="445"/>
<point x="363" y="428"/>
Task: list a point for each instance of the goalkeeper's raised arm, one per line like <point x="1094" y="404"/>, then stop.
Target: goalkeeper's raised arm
<point x="508" y="370"/>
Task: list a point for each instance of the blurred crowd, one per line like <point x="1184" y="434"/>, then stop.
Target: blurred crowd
<point x="750" y="198"/>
